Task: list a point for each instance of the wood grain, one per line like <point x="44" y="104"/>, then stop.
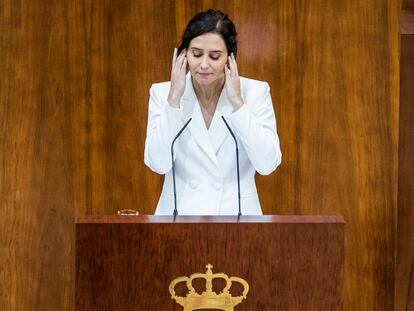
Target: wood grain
<point x="36" y="189"/>
<point x="408" y="4"/>
<point x="262" y="219"/>
<point x="289" y="266"/>
<point x="407" y="22"/>
<point x="405" y="233"/>
<point x="338" y="119"/>
<point x="119" y="49"/>
<point x="73" y="110"/>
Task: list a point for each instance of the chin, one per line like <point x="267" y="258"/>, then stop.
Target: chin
<point x="205" y="81"/>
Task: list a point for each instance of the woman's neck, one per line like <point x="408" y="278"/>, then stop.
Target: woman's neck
<point x="208" y="94"/>
<point x="208" y="97"/>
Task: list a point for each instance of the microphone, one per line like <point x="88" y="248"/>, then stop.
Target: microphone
<point x="173" y="168"/>
<point x="237" y="164"/>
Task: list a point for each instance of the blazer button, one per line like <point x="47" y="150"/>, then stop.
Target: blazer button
<point x="193" y="184"/>
<point x="217" y="186"/>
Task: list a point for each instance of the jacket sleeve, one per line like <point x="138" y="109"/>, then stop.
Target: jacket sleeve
<point x="255" y="126"/>
<point x="164" y="122"/>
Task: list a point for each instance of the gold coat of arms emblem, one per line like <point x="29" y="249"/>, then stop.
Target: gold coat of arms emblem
<point x="208" y="299"/>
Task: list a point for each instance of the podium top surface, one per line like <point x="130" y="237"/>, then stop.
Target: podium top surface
<point x="103" y="219"/>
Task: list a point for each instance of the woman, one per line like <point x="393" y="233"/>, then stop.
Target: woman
<point x="204" y="153"/>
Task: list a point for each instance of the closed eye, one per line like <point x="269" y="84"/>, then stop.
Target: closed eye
<point x="213" y="58"/>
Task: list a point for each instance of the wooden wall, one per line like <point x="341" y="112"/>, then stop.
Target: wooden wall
<point x="37" y="142"/>
<point x="405" y="232"/>
<point x="73" y="108"/>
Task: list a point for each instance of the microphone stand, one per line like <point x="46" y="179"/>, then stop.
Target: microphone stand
<point x="237" y="164"/>
<point x="173" y="167"/>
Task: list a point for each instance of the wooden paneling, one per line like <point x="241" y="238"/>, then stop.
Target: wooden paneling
<point x="36" y="177"/>
<point x="407" y="22"/>
<point x="333" y="71"/>
<point x="405" y="232"/>
<point x="289" y="261"/>
<point x="74" y="96"/>
<point x="408" y="4"/>
<point x="118" y="48"/>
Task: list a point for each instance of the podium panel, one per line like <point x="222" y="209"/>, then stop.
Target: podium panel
<point x="289" y="262"/>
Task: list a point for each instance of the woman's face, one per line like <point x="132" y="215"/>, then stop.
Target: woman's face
<point x="206" y="57"/>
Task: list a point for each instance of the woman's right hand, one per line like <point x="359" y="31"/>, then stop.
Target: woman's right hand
<point x="178" y="76"/>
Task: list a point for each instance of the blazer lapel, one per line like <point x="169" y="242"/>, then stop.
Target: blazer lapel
<point x="218" y="130"/>
<point x="197" y="125"/>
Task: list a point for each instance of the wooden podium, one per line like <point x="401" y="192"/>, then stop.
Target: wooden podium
<point x="289" y="262"/>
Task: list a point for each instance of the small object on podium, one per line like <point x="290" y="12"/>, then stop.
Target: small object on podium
<point x="128" y="212"/>
<point x="208" y="299"/>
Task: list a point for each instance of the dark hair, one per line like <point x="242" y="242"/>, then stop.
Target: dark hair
<point x="210" y="21"/>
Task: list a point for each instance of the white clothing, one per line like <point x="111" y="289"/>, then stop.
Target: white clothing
<point x="205" y="159"/>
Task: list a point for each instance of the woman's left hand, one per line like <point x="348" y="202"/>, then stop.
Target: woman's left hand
<point x="232" y="83"/>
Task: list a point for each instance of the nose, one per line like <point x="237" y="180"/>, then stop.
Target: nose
<point x="204" y="62"/>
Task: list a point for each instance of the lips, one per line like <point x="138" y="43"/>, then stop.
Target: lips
<point x="204" y="74"/>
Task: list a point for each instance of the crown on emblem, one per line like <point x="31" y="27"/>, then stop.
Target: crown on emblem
<point x="208" y="299"/>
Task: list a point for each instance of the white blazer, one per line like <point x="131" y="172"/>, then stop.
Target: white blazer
<point x="205" y="159"/>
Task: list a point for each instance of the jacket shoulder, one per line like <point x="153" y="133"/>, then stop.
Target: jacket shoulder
<point x="161" y="87"/>
<point x="251" y="86"/>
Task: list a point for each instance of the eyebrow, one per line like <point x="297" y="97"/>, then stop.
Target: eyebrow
<point x="216" y="51"/>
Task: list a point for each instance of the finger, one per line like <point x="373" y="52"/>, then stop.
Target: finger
<point x="236" y="70"/>
<point x="174" y="57"/>
<point x="227" y="72"/>
<point x="231" y="67"/>
<point x="184" y="64"/>
<point x="179" y="60"/>
<point x="182" y="56"/>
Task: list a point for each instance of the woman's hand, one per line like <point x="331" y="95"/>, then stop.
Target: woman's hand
<point x="232" y="83"/>
<point x="178" y="73"/>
